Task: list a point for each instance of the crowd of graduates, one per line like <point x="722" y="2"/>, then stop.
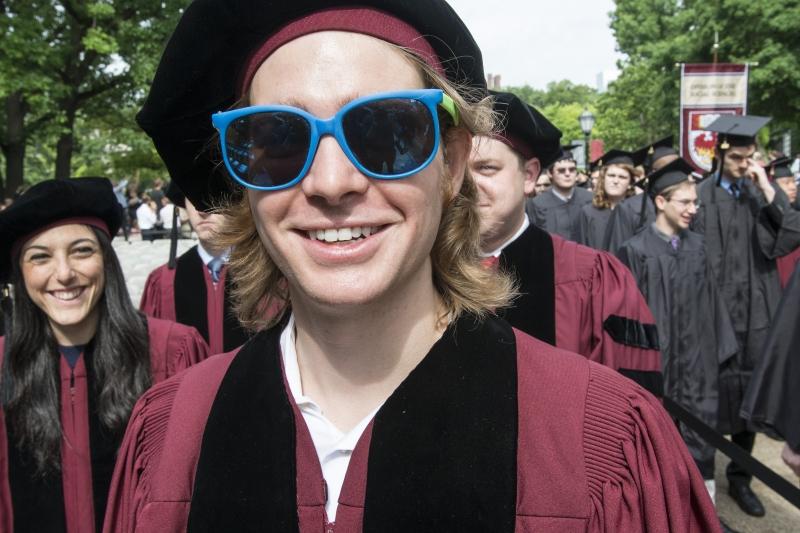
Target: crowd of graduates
<point x="406" y="309"/>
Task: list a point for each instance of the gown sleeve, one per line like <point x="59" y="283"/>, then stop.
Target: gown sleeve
<point x="778" y="227"/>
<point x="641" y="476"/>
<point x="151" y="302"/>
<point x="623" y="328"/>
<point x="138" y="455"/>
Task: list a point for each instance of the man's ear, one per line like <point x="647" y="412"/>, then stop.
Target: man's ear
<point x="458" y="144"/>
<point x="533" y="168"/>
<point x="660" y="202"/>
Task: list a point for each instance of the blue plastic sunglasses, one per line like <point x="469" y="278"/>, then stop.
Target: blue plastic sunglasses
<point x="386" y="136"/>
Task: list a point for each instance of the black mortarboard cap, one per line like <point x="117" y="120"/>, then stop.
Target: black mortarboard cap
<point x="670" y="174"/>
<point x="175" y="194"/>
<point x="566" y="153"/>
<point x="617" y="157"/>
<point x="781" y="168"/>
<point x="654" y="151"/>
<point x="47" y="202"/>
<point x="204" y="59"/>
<point x="526" y="130"/>
<point x="737" y="130"/>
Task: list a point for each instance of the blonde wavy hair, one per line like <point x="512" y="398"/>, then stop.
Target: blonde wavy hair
<point x="260" y="291"/>
<point x="600" y="199"/>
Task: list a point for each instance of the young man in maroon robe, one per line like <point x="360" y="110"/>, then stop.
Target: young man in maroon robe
<point x="196" y="290"/>
<point x="571" y="296"/>
<point x="386" y="397"/>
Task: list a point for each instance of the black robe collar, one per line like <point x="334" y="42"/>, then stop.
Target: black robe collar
<point x="442" y="453"/>
<point x="191" y="301"/>
<point x="531" y="259"/>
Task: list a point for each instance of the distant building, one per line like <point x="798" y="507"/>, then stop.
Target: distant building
<point x="606" y="77"/>
<point x="493" y="81"/>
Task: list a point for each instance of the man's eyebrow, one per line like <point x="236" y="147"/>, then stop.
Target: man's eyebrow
<point x="294" y="102"/>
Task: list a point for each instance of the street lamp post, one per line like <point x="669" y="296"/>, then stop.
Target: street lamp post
<point x="586" y="120"/>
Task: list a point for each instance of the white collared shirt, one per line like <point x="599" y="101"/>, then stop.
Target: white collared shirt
<point x="525" y="223"/>
<point x="206" y="257"/>
<point x="334" y="448"/>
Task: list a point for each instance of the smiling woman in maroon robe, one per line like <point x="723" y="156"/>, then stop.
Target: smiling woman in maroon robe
<point x="385" y="396"/>
<point x="75" y="358"/>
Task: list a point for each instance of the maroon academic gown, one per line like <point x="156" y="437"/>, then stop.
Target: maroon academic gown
<point x="493" y="431"/>
<point x="187" y="294"/>
<point x="173" y="347"/>
<point x="584" y="301"/>
<point x="786" y="266"/>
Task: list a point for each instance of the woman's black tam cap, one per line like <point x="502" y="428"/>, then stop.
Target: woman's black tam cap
<point x="206" y="55"/>
<point x="48" y="202"/>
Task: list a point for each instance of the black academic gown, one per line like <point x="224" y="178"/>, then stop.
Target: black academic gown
<point x="593" y="226"/>
<point x="695" y="332"/>
<point x="772" y="402"/>
<point x="626" y="221"/>
<point x="554" y="215"/>
<point x="743" y="237"/>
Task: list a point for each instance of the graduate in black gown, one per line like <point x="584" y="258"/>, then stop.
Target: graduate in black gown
<point x="695" y="332"/>
<point x="772" y="402"/>
<point x="614" y="185"/>
<point x="748" y="222"/>
<point x="557" y="209"/>
<point x="637" y="211"/>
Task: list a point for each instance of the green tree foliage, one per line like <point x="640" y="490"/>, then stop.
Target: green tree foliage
<point x="76" y="71"/>
<point x="656" y="34"/>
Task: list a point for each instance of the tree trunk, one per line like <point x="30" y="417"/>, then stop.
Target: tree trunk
<point x="14" y="148"/>
<point x="65" y="144"/>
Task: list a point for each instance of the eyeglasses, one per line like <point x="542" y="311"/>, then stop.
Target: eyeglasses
<point x="386" y="136"/>
<point x="686" y="204"/>
<point x="567" y="170"/>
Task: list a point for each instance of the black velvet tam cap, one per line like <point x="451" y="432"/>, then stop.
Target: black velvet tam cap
<point x="670" y="174"/>
<point x="79" y="200"/>
<point x="737" y="130"/>
<point x="781" y="168"/>
<point x="175" y="194"/>
<point x="526" y="130"/>
<point x="206" y="57"/>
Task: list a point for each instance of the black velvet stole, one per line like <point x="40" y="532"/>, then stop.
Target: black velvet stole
<point x="233" y="334"/>
<point x="191" y="301"/>
<point x="531" y="259"/>
<point x="190" y="292"/>
<point x="442" y="456"/>
<point x="38" y="501"/>
<point x="103" y="444"/>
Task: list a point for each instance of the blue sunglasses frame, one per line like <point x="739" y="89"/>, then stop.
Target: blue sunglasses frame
<point x="333" y="126"/>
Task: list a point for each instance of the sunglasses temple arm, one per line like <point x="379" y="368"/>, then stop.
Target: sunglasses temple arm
<point x="449" y="105"/>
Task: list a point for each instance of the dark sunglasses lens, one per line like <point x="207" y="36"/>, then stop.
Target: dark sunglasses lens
<point x="390" y="137"/>
<point x="268" y="149"/>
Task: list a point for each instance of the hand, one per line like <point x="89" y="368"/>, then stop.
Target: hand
<point x="791" y="459"/>
<point x="758" y="176"/>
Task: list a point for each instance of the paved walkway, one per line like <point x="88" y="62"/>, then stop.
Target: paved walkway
<point x="138" y="258"/>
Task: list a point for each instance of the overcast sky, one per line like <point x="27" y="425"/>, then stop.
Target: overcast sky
<point x="538" y="41"/>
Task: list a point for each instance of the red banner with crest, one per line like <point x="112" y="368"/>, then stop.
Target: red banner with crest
<point x="708" y="91"/>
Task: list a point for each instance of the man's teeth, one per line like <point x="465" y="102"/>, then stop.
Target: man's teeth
<point x="67" y="295"/>
<point x="341" y="234"/>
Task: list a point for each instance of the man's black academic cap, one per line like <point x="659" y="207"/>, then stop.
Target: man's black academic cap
<point x="44" y="205"/>
<point x="737" y="130"/>
<point x="670" y="174"/>
<point x="205" y="59"/>
<point x="781" y="168"/>
<point x="526" y="130"/>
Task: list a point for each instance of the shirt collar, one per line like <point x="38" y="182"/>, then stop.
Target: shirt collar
<point x="525" y="223"/>
<point x="206" y="257"/>
<point x="561" y="196"/>
<point x="661" y="235"/>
